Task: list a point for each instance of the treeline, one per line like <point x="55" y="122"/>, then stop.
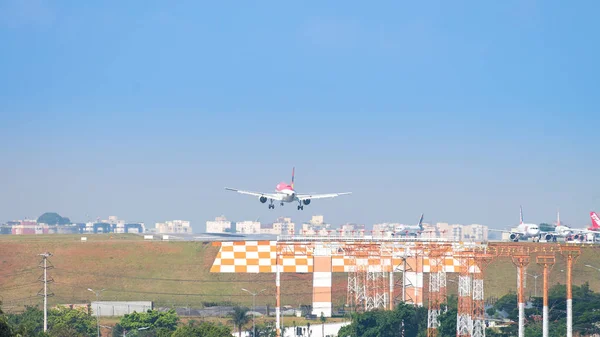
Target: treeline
<point x="66" y="322"/>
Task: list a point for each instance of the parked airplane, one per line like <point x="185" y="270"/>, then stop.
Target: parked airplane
<point x="523" y="230"/>
<point x="286" y="193"/>
<point x="581" y="233"/>
<point x="407" y="230"/>
<point x="559" y="231"/>
<point x="569" y="233"/>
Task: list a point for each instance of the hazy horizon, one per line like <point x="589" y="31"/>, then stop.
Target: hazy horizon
<point x="462" y="111"/>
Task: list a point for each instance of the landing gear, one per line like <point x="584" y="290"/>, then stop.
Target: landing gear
<point x="281" y="203"/>
<point x="300" y="207"/>
<point x="271" y="206"/>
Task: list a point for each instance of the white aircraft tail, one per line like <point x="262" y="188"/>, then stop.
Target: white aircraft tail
<point x="521" y="215"/>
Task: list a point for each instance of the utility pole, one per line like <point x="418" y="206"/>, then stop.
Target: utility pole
<point x="44" y="264"/>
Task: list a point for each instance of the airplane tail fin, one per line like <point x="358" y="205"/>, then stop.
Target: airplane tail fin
<point x="595" y="221"/>
<point x="421" y="222"/>
<point x="293" y="169"/>
<point x="521" y="214"/>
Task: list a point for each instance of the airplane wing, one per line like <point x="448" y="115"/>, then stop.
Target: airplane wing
<point x="257" y="194"/>
<point x="320" y="196"/>
<point x="505" y="231"/>
<point x="583" y="231"/>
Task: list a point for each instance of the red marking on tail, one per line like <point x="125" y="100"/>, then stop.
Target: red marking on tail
<point x="293" y="169"/>
<point x="595" y="221"/>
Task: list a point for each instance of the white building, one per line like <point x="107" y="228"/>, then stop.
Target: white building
<point x="475" y="232"/>
<point x="352" y="229"/>
<point x="283" y="226"/>
<point x="247" y="227"/>
<point x="219" y="225"/>
<point x="316" y="226"/>
<point x="174" y="226"/>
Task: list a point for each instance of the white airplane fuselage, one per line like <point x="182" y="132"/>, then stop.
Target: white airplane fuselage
<point x="288" y="195"/>
<point x="525" y="231"/>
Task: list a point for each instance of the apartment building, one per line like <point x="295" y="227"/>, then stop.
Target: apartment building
<point x="219" y="225"/>
<point x="174" y="226"/>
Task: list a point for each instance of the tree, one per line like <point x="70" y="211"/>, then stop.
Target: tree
<point x="240" y="317"/>
<point x="5" y="329"/>
<point x="545" y="227"/>
<point x="405" y="320"/>
<point x="51" y="218"/>
<point x="28" y="323"/>
<point x="62" y="321"/>
<point x="154" y="319"/>
<point x="205" y="329"/>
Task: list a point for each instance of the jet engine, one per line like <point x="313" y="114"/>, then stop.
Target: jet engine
<point x="306" y="201"/>
<point x="514" y="236"/>
<point x="263" y="199"/>
<point x="549" y="237"/>
<point x="579" y="237"/>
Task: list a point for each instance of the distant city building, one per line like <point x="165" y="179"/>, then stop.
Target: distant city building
<point x="282" y="226"/>
<point x="174" y="226"/>
<point x="352" y="229"/>
<point x="475" y="232"/>
<point x="247" y="227"/>
<point x="317" y="226"/>
<point x="456" y="233"/>
<point x="24" y="227"/>
<point x="219" y="225"/>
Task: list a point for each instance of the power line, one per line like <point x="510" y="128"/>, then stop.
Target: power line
<point x="195" y="294"/>
<point x="172" y="279"/>
<point x="16" y="286"/>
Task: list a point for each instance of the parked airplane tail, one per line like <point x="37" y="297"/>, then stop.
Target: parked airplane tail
<point x="595" y="221"/>
<point x="293" y="169"/>
<point x="521" y="215"/>
<point x="421" y="222"/>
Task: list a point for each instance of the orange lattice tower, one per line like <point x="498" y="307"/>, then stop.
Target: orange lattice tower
<point x="481" y="261"/>
<point x="437" y="255"/>
<point x="521" y="260"/>
<point x="547" y="262"/>
<point x="570" y="253"/>
<point x="464" y="319"/>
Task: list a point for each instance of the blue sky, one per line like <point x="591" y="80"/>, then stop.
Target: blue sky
<point x="462" y="110"/>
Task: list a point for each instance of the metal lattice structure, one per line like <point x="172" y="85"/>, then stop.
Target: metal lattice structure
<point x="373" y="263"/>
<point x="481" y="261"/>
<point x="464" y="319"/>
<point x="437" y="280"/>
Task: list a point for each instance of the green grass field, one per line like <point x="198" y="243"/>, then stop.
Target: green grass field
<point x="177" y="273"/>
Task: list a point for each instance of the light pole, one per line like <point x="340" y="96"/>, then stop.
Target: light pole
<point x="97" y="307"/>
<point x="535" y="276"/>
<point x="253" y="307"/>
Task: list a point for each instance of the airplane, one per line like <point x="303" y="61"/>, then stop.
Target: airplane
<point x="559" y="231"/>
<point x="287" y="193"/>
<point x="569" y="233"/>
<point x="406" y="230"/>
<point x="523" y="230"/>
<point x="581" y="233"/>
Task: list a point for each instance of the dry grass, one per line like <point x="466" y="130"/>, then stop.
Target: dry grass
<point x="177" y="273"/>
